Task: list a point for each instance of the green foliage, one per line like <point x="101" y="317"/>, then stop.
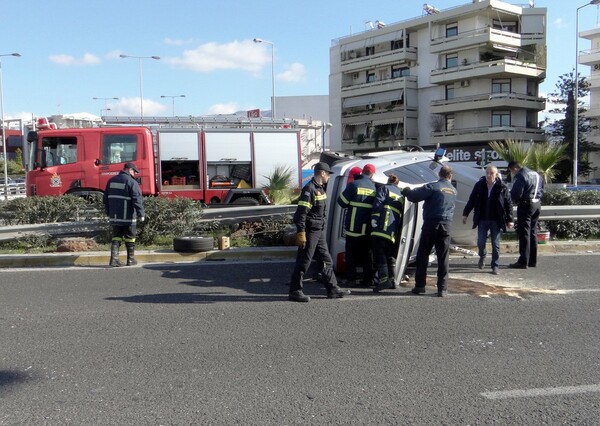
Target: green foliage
<point x="20" y="211"/>
<point x="168" y="216"/>
<point x="12" y="167"/>
<point x="279" y="187"/>
<point x="572" y="229"/>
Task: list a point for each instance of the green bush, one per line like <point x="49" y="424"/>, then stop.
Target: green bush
<point x="28" y="210"/>
<point x="572" y="229"/>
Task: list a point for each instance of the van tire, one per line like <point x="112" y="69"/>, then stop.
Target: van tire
<point x="193" y="244"/>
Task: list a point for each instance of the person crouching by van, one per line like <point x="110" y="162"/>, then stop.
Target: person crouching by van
<point x="357" y="198"/>
<point x="492" y="211"/>
<point x="386" y="223"/>
<point x="438" y="209"/>
<point x="310" y="220"/>
<point x="124" y="205"/>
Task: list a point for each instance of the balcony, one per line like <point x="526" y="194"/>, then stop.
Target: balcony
<point x="481" y="36"/>
<point x="589" y="57"/>
<point x="488" y="101"/>
<point x="502" y="68"/>
<point x="488" y="134"/>
<point x="388" y="57"/>
<point x="398" y="83"/>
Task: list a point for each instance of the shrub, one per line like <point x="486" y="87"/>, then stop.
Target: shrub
<point x="572" y="229"/>
<point x="20" y="211"/>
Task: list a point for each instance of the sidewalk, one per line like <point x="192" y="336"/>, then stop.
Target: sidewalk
<point x="239" y="254"/>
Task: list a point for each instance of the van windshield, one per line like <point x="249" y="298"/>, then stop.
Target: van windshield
<point x="416" y="173"/>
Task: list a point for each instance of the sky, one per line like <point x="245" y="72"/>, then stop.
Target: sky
<point x="70" y="51"/>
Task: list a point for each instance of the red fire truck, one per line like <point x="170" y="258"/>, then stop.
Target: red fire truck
<point x="213" y="165"/>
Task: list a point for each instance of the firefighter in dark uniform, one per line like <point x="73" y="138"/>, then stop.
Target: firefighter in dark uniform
<point x="310" y="221"/>
<point x="438" y="210"/>
<point x="357" y="198"/>
<point x="386" y="223"/>
<point x="124" y="205"/>
<point x="526" y="194"/>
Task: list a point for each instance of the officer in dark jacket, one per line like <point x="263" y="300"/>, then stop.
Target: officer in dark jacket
<point x="124" y="205"/>
<point x="526" y="193"/>
<point x="492" y="211"/>
<point x="357" y="198"/>
<point x="386" y="223"/>
<point x="438" y="210"/>
<point x="310" y="221"/>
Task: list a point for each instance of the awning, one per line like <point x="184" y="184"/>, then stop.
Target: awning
<point x="375" y="98"/>
<point x="396" y="120"/>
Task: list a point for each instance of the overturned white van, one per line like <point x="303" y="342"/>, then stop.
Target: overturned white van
<point x="414" y="169"/>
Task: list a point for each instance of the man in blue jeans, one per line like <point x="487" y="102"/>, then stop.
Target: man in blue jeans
<point x="492" y="211"/>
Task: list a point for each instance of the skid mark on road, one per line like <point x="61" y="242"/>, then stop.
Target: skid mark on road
<point x="529" y="393"/>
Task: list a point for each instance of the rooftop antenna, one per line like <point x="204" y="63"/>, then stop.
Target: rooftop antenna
<point x="429" y="9"/>
<point x="370" y="24"/>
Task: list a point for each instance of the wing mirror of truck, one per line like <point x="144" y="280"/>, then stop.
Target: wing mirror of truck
<point x="32" y="136"/>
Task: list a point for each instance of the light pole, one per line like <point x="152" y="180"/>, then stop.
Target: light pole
<point x="576" y="94"/>
<point x="106" y="108"/>
<point x="260" y="40"/>
<point x="324" y="128"/>
<point x="4" y="126"/>
<point x="139" y="58"/>
<point x="173" y="100"/>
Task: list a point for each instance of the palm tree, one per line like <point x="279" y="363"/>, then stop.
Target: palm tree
<point x="279" y="185"/>
<point x="541" y="157"/>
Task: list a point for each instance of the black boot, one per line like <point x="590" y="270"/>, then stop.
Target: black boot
<point x="114" y="254"/>
<point x="130" y="254"/>
<point x="334" y="292"/>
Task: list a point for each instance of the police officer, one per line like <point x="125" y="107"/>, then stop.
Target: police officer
<point x="124" y="205"/>
<point x="310" y="221"/>
<point x="438" y="209"/>
<point x="526" y="193"/>
<point x="386" y="223"/>
<point x="357" y="198"/>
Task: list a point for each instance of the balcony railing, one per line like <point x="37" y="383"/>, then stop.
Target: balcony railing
<point x="411" y="80"/>
<point x="487" y="98"/>
<point x="488" y="130"/>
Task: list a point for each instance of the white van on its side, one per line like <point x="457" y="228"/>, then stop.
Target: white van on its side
<point x="413" y="169"/>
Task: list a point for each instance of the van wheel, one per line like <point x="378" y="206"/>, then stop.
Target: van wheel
<point x="192" y="244"/>
<point x="246" y="201"/>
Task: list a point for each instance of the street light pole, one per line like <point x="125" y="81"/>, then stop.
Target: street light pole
<point x="576" y="95"/>
<point x="173" y="100"/>
<point x="139" y="58"/>
<point x="106" y="108"/>
<point x="260" y="40"/>
<point x="4" y="125"/>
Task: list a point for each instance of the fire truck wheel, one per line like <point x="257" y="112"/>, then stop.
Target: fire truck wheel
<point x="193" y="244"/>
<point x="246" y="201"/>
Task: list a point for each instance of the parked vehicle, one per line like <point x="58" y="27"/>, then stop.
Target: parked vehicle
<point x="211" y="165"/>
<point x="413" y="169"/>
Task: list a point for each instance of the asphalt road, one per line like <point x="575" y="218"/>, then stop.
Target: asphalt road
<point x="218" y="343"/>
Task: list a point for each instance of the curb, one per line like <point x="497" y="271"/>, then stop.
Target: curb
<point x="240" y="254"/>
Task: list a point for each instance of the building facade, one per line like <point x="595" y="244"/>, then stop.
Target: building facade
<point x="460" y="77"/>
<point x="591" y="57"/>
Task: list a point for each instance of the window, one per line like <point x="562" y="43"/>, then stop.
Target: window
<point x="370" y="77"/>
<point x="510" y="26"/>
<point x="119" y="148"/>
<point x="370" y="50"/>
<point x="449" y="122"/>
<point x="452" y="30"/>
<point x="500" y="118"/>
<point x="449" y="91"/>
<point x="60" y="150"/>
<point x="400" y="72"/>
<point x="396" y="44"/>
<point x="451" y="60"/>
<point x="501" y="85"/>
<point x="415" y="173"/>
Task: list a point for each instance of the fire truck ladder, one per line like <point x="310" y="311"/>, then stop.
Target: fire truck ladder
<point x="201" y="122"/>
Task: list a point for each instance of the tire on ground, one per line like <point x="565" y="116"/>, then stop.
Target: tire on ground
<point x="193" y="244"/>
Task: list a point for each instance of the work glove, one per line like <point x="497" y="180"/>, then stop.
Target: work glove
<point x="301" y="239"/>
<point x="405" y="190"/>
<point x="373" y="223"/>
<point x="141" y="219"/>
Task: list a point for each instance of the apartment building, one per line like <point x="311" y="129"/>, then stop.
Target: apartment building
<point x="591" y="57"/>
<point x="460" y="77"/>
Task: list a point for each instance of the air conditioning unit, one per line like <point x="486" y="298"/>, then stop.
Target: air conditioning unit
<point x="465" y="83"/>
<point x="355" y="75"/>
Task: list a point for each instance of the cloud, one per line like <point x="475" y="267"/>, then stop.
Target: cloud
<point x="228" y="108"/>
<point x="244" y="55"/>
<point x="174" y="42"/>
<point x="131" y="107"/>
<point x="559" y="23"/>
<point x="293" y="73"/>
<point x="68" y="60"/>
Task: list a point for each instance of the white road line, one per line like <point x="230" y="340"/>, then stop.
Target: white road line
<point x="529" y="393"/>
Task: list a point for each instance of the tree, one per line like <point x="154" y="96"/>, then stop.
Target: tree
<point x="563" y="129"/>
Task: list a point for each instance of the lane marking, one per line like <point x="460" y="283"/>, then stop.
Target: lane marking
<point x="530" y="393"/>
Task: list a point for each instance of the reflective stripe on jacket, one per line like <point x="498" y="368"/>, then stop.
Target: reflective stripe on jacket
<point x="312" y="205"/>
<point x="388" y="210"/>
<point x="123" y="200"/>
<point x="358" y="198"/>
